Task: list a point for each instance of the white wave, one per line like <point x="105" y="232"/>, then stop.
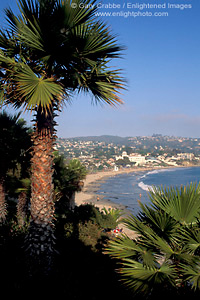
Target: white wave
<point x="144" y="176"/>
<point x="160" y="171"/>
<point x="125" y="194"/>
<point x="145" y="187"/>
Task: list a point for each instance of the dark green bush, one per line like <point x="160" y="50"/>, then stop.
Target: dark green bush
<point x="88" y="225"/>
<point x="89" y="234"/>
<point x="89" y="212"/>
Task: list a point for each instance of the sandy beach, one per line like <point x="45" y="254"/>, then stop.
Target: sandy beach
<point x="91" y="185"/>
<point x="93" y="182"/>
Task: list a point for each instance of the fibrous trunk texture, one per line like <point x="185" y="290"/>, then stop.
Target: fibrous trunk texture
<point x="40" y="240"/>
<point x="72" y="200"/>
<point x="22" y="208"/>
<point x="42" y="204"/>
<point x="3" y="206"/>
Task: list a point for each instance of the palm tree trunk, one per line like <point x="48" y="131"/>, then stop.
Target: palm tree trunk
<point x="22" y="208"/>
<point x="3" y="206"/>
<point x="41" y="238"/>
<point x="72" y="200"/>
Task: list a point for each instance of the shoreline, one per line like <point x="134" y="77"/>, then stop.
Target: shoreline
<point x="94" y="180"/>
<point x="92" y="183"/>
<point x="88" y="195"/>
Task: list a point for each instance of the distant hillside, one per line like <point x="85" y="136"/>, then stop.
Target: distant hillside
<point x="103" y="138"/>
<point x="153" y="143"/>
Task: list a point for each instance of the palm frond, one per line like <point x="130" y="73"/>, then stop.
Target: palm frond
<point x="78" y="12"/>
<point x="23" y="86"/>
<point x="182" y="204"/>
<point x="191" y="239"/>
<point x="123" y="247"/>
<point x="192" y="274"/>
<point x="142" y="279"/>
<point x="148" y="237"/>
<point x="103" y="84"/>
<point x="160" y="221"/>
<point x="97" y="41"/>
<point x="27" y="30"/>
<point x="114" y="212"/>
<point x="37" y="91"/>
<point x="62" y="39"/>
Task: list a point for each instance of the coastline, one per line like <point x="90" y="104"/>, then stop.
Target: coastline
<point x="91" y="185"/>
<point x="88" y="196"/>
<point x="93" y="181"/>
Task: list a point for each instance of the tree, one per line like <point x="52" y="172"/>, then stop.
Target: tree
<point x="165" y="254"/>
<point x="67" y="181"/>
<point x="14" y="151"/>
<point x="47" y="52"/>
<point x="123" y="162"/>
<point x="23" y="201"/>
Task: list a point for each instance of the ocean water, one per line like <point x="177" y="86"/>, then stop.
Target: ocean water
<point x="127" y="189"/>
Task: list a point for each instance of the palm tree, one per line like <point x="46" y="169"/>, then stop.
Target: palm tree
<point x="54" y="48"/>
<point x="23" y="201"/>
<point x="165" y="254"/>
<point x="14" y="146"/>
<point x="68" y="179"/>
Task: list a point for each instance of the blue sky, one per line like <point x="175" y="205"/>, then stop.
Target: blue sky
<point x="162" y="68"/>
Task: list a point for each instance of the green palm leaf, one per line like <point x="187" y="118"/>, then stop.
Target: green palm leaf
<point x="192" y="274"/>
<point x="23" y="86"/>
<point x="165" y="248"/>
<point x="67" y="44"/>
<point x="183" y="205"/>
<point x="37" y="91"/>
<point x="124" y="247"/>
<point x="142" y="278"/>
<point x="191" y="239"/>
<point x="77" y="14"/>
<point x="160" y="221"/>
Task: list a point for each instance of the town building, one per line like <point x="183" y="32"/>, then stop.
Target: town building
<point x="136" y="158"/>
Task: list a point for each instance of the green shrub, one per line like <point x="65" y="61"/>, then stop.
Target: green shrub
<point x="69" y="229"/>
<point x="87" y="223"/>
<point x="165" y="254"/>
<point x="89" y="234"/>
<point x="89" y="212"/>
<point x="115" y="213"/>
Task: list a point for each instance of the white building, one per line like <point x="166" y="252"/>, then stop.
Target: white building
<point x="137" y="158"/>
<point x="116" y="169"/>
<point x="189" y="156"/>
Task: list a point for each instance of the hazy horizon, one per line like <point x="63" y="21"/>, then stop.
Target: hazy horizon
<point x="129" y="136"/>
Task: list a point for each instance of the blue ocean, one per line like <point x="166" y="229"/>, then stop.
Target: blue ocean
<point x="127" y="189"/>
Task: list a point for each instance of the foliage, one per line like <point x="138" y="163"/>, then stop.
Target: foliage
<point x="124" y="162"/>
<point x="52" y="49"/>
<point x="91" y="213"/>
<point x="17" y="229"/>
<point x="165" y="253"/>
<point x="15" y="143"/>
<point x="114" y="213"/>
<point x="49" y="50"/>
<point x="76" y="264"/>
<point x="67" y="176"/>
<point x="88" y="224"/>
<point x="89" y="234"/>
<point x="67" y="180"/>
<point x="183" y="205"/>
